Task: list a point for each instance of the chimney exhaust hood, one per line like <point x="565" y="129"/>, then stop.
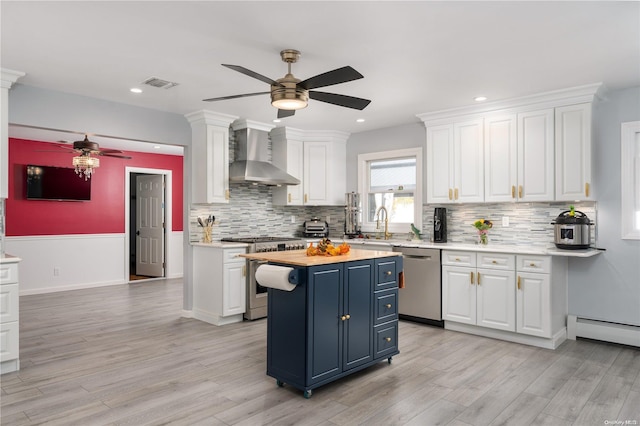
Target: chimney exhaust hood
<point x="251" y="161"/>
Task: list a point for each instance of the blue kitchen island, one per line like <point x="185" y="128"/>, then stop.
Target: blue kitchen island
<point x="340" y="317"/>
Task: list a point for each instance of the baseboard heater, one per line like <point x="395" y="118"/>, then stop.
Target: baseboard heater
<point x="601" y="330"/>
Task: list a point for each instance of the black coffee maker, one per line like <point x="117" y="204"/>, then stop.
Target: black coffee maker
<point x="440" y="225"/>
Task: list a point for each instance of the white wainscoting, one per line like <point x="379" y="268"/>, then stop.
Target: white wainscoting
<point x="53" y="263"/>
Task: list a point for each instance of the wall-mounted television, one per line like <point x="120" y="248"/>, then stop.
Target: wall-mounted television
<point x="56" y="183"/>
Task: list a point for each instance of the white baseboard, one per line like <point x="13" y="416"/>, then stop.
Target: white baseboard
<point x="43" y="290"/>
<point x="601" y="330"/>
<point x="215" y="319"/>
<point x="551" y="343"/>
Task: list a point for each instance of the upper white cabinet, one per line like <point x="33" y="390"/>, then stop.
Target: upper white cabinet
<point x="455" y="168"/>
<point x="536" y="148"/>
<point x="535" y="156"/>
<point x="573" y="152"/>
<point x="318" y="159"/>
<point x="209" y="156"/>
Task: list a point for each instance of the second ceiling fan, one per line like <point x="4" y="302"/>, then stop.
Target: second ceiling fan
<point x="289" y="93"/>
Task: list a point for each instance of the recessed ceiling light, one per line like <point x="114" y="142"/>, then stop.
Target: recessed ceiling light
<point x="135" y="90"/>
<point x="276" y="120"/>
<point x="360" y="120"/>
<point x="156" y="146"/>
<point x="480" y="98"/>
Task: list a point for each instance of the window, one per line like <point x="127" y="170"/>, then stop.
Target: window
<point x="393" y="180"/>
<point x="630" y="175"/>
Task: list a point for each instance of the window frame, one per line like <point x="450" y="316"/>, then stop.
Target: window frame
<point x="363" y="186"/>
<point x="629" y="132"/>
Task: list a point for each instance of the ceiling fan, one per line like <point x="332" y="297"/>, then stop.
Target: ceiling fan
<point x="84" y="163"/>
<point x="289" y="93"/>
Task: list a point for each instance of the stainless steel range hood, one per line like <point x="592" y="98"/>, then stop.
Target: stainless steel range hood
<point x="251" y="162"/>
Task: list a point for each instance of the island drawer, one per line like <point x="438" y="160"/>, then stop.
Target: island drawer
<point x="386" y="339"/>
<point x="386" y="274"/>
<point x="386" y="306"/>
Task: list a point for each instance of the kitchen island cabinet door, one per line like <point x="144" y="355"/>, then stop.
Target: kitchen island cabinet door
<point x="533" y="302"/>
<point x="496" y="299"/>
<point x="358" y="302"/>
<point x="459" y="294"/>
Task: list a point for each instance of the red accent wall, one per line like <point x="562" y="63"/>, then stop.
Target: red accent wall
<point x="104" y="214"/>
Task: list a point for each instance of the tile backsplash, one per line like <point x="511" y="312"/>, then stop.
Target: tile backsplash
<point x="251" y="213"/>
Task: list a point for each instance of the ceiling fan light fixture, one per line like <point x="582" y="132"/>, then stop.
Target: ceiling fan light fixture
<point x="289" y="98"/>
<point x="85" y="165"/>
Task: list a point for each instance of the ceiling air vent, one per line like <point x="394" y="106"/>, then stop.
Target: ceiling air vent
<point x="158" y="82"/>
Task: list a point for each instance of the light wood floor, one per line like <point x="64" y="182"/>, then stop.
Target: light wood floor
<point x="123" y="355"/>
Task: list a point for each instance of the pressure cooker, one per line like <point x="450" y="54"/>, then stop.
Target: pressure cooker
<point x="572" y="231"/>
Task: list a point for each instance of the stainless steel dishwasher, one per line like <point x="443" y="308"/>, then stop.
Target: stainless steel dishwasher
<point x="421" y="298"/>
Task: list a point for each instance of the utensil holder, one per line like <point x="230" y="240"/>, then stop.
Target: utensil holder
<point x="206" y="234"/>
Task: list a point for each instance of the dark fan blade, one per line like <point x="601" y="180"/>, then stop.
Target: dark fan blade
<point x="110" y="151"/>
<point x="341" y="100"/>
<point x="250" y="73"/>
<point x="114" y="155"/>
<point x="57" y="152"/>
<point x="222" y="98"/>
<point x="282" y="113"/>
<point x="341" y="75"/>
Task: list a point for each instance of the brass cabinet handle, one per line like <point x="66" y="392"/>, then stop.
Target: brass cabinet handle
<point x="586" y="189"/>
<point x="494" y="262"/>
<point x="513" y="191"/>
<point x="289" y="197"/>
<point x="388" y="339"/>
<point x="533" y="265"/>
<point x="226" y="194"/>
<point x="455" y="191"/>
<point x="348" y="316"/>
<point x="388" y="272"/>
<point x="520" y="191"/>
<point x="343" y="318"/>
<point x="457" y="259"/>
<point x="244" y="271"/>
<point x="388" y="305"/>
<point x="519" y="286"/>
<point x="472" y="281"/>
<point x="306" y="198"/>
<point x="450" y="194"/>
<point x="478" y="278"/>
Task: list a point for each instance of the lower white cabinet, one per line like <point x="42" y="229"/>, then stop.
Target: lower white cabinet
<point x="521" y="298"/>
<point x="9" y="318"/>
<point x="219" y="284"/>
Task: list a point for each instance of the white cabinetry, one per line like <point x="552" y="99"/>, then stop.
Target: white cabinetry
<point x="209" y="156"/>
<point x="521" y="298"/>
<point x="219" y="284"/>
<point x="318" y="159"/>
<point x="500" y="158"/>
<point x="535" y="156"/>
<point x="455" y="168"/>
<point x="9" y="318"/>
<point x="573" y="152"/>
<point x="478" y="289"/>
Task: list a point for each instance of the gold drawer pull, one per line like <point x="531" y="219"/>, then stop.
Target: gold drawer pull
<point x="345" y="317"/>
<point x="450" y="194"/>
<point x="244" y="271"/>
<point x="306" y="198"/>
<point x="478" y="278"/>
<point x="494" y="262"/>
<point x="533" y="265"/>
<point x="388" y="305"/>
<point x="456" y="193"/>
<point x="513" y="191"/>
<point x="289" y="196"/>
<point x="472" y="281"/>
<point x="387" y="339"/>
<point x="586" y="189"/>
<point x="519" y="286"/>
<point x="388" y="272"/>
<point x="348" y="316"/>
<point x="520" y="191"/>
<point x="457" y="259"/>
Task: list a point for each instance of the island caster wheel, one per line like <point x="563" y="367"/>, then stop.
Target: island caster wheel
<point x="280" y="383"/>
<point x="308" y="393"/>
<point x="389" y="359"/>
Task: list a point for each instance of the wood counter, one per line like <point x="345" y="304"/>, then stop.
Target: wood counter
<point x="300" y="258"/>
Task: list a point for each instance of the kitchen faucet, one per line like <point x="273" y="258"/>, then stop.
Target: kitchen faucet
<point x="386" y="221"/>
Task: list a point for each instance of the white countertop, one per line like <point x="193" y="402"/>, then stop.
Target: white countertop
<point x="495" y="248"/>
<point x="8" y="258"/>
<point x="220" y="245"/>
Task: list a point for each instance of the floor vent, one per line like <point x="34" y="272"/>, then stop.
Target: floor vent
<point x="158" y="82"/>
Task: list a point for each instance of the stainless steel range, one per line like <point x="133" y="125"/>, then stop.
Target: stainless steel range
<point x="257" y="294"/>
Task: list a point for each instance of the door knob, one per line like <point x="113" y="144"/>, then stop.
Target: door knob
<point x="137" y="232"/>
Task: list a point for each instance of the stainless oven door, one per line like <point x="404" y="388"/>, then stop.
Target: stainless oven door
<point x="256" y="294"/>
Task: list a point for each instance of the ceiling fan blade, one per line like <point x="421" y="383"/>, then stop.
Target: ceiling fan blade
<point x="110" y="151"/>
<point x="222" y="98"/>
<point x="126" y="157"/>
<point x="282" y="113"/>
<point x="253" y="74"/>
<point x="340" y="75"/>
<point x="340" y="100"/>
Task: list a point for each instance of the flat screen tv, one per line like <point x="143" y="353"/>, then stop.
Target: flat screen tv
<point x="56" y="183"/>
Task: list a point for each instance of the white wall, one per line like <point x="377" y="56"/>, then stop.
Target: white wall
<point x="69" y="262"/>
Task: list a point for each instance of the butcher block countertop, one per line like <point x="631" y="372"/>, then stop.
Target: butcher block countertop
<point x="300" y="258"/>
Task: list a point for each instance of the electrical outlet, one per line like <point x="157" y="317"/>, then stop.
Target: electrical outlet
<point x="505" y="221"/>
<point x="56" y="271"/>
<point x="328" y="219"/>
<point x="293" y="219"/>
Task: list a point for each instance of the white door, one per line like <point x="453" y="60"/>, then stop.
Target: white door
<point x="234" y="292"/>
<point x="150" y="225"/>
<point x="316" y="176"/>
<point x="500" y="158"/>
<point x="536" y="167"/>
<point x="573" y="152"/>
<point x="496" y="299"/>
<point x="439" y="168"/>
<point x="534" y="304"/>
<point x="469" y="162"/>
